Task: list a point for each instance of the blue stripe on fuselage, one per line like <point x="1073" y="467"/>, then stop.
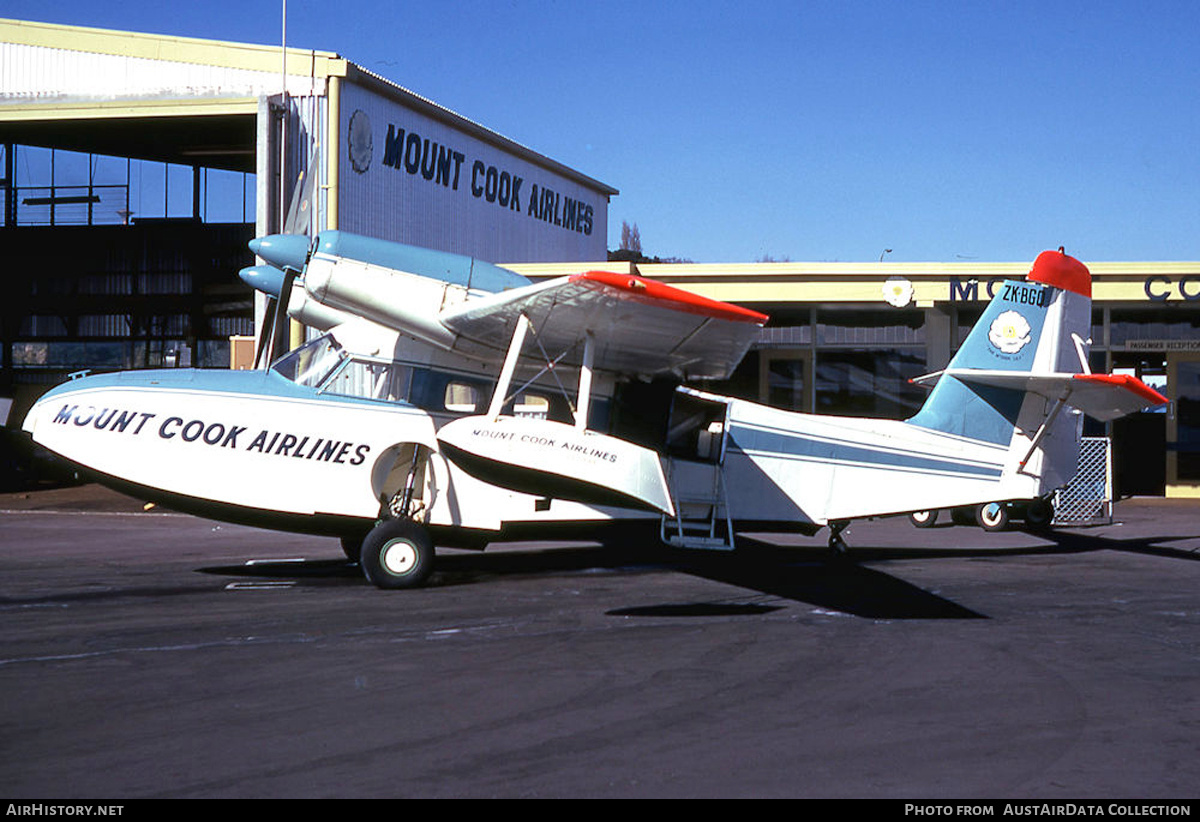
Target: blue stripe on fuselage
<point x="785" y="444"/>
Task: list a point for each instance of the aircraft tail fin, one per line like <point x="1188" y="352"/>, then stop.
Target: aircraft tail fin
<point x="1039" y="326"/>
<point x="1025" y="359"/>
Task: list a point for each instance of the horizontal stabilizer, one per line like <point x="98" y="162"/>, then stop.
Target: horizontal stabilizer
<point x="1101" y="396"/>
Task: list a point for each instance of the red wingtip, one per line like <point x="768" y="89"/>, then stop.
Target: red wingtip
<point x="1063" y="271"/>
<point x="658" y="293"/>
<point x="1129" y="383"/>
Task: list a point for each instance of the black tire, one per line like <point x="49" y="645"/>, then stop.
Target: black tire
<point x="397" y="553"/>
<point x="923" y="519"/>
<point x="1039" y="515"/>
<point x="992" y="516"/>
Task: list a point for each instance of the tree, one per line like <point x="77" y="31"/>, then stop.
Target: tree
<point x="631" y="238"/>
<point x="631" y="249"/>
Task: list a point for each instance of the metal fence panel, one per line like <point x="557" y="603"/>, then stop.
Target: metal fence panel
<point x="1087" y="498"/>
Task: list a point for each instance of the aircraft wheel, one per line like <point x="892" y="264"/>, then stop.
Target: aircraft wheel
<point x="397" y="553"/>
<point x="1039" y="515"/>
<point x="923" y="519"/>
<point x="992" y="516"/>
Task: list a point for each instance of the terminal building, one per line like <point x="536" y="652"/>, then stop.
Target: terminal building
<point x="104" y="276"/>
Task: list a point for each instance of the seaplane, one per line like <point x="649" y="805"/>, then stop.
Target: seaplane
<point x="447" y="401"/>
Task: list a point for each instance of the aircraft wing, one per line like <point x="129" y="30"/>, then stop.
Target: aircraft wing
<point x="640" y="327"/>
<point x="1102" y="396"/>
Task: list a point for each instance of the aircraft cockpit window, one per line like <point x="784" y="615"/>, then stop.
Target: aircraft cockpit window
<point x="312" y="362"/>
<point x="371" y="379"/>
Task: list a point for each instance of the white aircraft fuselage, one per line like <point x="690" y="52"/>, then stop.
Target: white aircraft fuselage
<point x="405" y="411"/>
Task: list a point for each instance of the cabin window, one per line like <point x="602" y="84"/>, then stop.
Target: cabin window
<point x="370" y="379"/>
<point x="536" y="405"/>
<point x="440" y="392"/>
<point x="531" y="406"/>
<point x="462" y="398"/>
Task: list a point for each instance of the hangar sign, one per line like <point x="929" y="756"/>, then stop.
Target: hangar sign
<point x="426" y="181"/>
<point x="407" y="151"/>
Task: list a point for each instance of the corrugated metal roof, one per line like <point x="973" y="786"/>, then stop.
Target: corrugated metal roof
<point x="245" y="56"/>
<point x="46" y="63"/>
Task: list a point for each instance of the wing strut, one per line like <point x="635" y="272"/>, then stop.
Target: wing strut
<point x="510" y="365"/>
<point x="585" y="382"/>
<point x="551" y="459"/>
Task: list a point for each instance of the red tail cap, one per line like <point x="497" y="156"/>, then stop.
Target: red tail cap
<point x="1063" y="271"/>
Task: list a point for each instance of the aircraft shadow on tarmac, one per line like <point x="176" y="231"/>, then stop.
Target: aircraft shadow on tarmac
<point x="806" y="574"/>
<point x="801" y="575"/>
<point x="1068" y="542"/>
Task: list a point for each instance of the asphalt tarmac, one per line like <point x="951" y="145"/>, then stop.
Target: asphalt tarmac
<point x="150" y="654"/>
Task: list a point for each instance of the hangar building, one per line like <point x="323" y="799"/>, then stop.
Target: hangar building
<point x="104" y="281"/>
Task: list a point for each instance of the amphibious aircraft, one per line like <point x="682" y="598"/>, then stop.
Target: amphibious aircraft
<point x="448" y="401"/>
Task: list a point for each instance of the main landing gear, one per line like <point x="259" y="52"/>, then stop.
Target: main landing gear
<point x="397" y="553"/>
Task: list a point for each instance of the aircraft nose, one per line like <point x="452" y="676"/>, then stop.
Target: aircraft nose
<point x="282" y="250"/>
<point x="265" y="278"/>
<point x="43" y="407"/>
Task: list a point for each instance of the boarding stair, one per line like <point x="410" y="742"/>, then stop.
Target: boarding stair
<point x="701" y="499"/>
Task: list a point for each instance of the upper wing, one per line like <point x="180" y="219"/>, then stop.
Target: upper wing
<point x="640" y="327"/>
<point x="1102" y="396"/>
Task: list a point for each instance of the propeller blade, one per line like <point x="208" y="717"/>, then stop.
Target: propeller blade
<point x="279" y="335"/>
<point x="264" y="341"/>
<point x="300" y="209"/>
<point x="288" y="259"/>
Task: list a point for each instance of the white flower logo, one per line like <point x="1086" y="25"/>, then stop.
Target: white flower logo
<point x="1009" y="332"/>
<point x="898" y="291"/>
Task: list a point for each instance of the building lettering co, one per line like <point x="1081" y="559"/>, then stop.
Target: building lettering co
<point x="1157" y="287"/>
<point x="408" y="152"/>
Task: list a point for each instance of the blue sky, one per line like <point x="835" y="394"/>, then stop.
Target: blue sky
<point x="802" y="130"/>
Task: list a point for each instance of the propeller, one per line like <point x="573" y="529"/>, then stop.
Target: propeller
<point x="287" y="254"/>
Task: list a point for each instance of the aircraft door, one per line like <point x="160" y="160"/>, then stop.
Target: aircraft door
<point x="697" y="436"/>
<point x="698" y="428"/>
